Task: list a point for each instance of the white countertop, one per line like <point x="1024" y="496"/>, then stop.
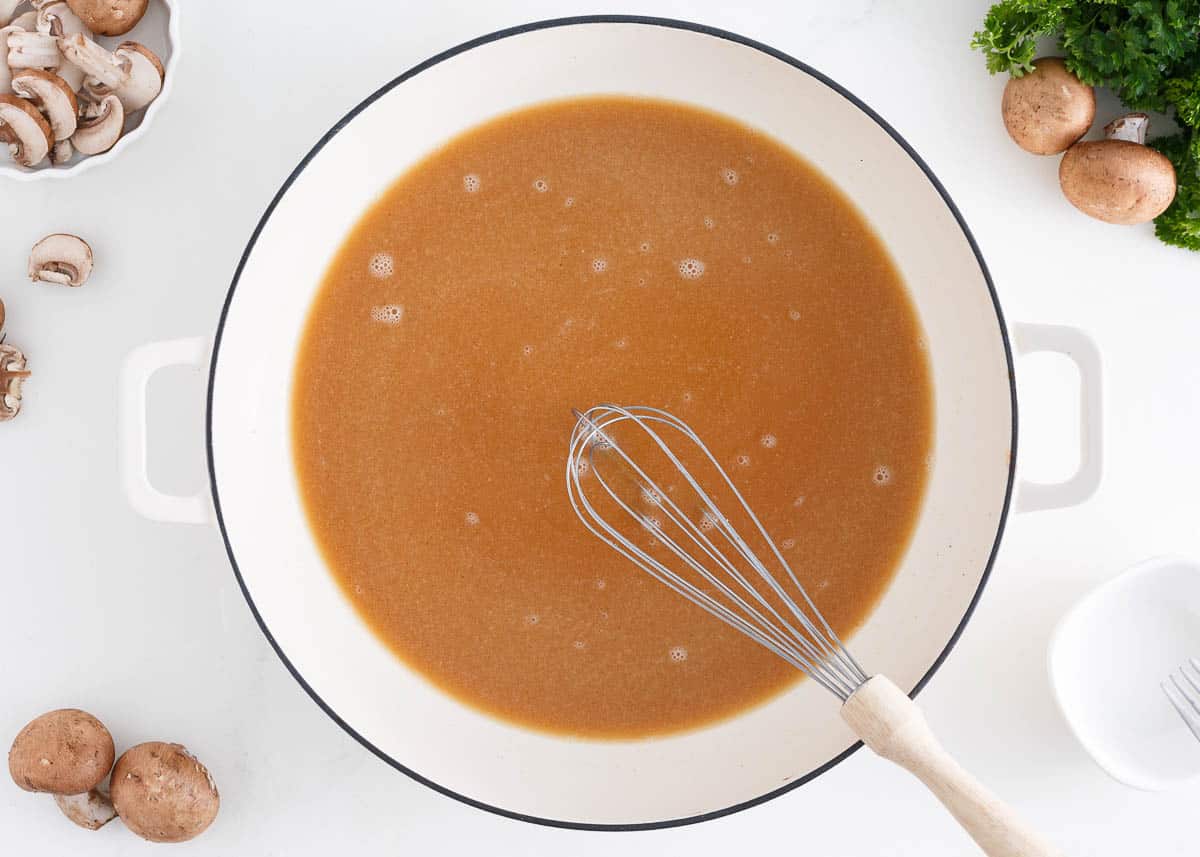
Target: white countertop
<point x="143" y="623"/>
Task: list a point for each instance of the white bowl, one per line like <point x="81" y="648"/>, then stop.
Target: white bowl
<point x="159" y="31"/>
<point x="1106" y="660"/>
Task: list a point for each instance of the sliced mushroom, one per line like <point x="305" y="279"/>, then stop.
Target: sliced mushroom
<point x="62" y="259"/>
<point x="58" y="20"/>
<point x="62" y="153"/>
<point x="27" y="133"/>
<point x="31" y="49"/>
<point x="8" y="8"/>
<point x="109" y="17"/>
<point x="13" y="372"/>
<point x="5" y="71"/>
<point x="1119" y="179"/>
<point x="91" y="810"/>
<point x="51" y="95"/>
<point x="146" y="75"/>
<point x="104" y="71"/>
<point x="100" y="128"/>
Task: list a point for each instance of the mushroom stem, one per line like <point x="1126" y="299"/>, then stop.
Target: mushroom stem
<point x="32" y="50"/>
<point x="91" y="810"/>
<point x="5" y="71"/>
<point x="105" y="72"/>
<point x="1131" y="127"/>
<point x="62" y="153"/>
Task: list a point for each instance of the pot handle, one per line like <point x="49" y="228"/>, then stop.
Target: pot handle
<point x="140" y="365"/>
<point x="1081" y="349"/>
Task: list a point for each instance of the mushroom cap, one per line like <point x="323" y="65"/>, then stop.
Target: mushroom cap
<point x="1117" y="181"/>
<point x="99" y="133"/>
<point x="61" y="258"/>
<point x="163" y="793"/>
<point x="109" y="17"/>
<point x="63" y="752"/>
<point x="146" y="75"/>
<point x="1048" y="109"/>
<point x="27" y="133"/>
<point x="52" y="96"/>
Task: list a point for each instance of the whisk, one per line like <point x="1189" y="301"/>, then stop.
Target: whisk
<point x="646" y="485"/>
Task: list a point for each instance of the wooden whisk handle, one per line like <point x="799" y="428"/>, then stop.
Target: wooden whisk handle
<point x="893" y="726"/>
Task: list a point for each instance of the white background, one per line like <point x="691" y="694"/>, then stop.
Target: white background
<point x="142" y="623"/>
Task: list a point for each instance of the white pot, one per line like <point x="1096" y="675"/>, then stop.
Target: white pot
<point x="394" y="711"/>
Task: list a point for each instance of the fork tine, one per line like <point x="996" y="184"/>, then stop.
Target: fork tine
<point x="1187" y="697"/>
<point x="1186" y="714"/>
<point x="1183" y="672"/>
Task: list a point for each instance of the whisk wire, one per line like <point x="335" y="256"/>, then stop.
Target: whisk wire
<point x="812" y="647"/>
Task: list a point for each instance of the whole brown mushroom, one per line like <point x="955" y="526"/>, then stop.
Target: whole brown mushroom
<point x="1118" y="179"/>
<point x="1048" y="109"/>
<point x="163" y="793"/>
<point x="63" y="752"/>
<point x="67" y="753"/>
<point x="109" y="17"/>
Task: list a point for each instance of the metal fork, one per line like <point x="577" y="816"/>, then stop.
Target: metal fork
<point x="1185" y="695"/>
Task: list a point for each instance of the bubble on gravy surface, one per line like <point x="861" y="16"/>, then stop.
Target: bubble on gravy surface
<point x="389" y="314"/>
<point x="503" y="605"/>
<point x="382" y="266"/>
<point x="691" y="269"/>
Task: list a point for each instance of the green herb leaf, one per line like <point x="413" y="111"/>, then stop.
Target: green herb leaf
<point x="1180" y="224"/>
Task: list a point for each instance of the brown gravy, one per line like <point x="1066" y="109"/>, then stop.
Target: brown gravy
<point x="602" y="249"/>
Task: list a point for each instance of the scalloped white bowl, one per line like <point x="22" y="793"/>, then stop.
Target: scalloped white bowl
<point x="159" y="31"/>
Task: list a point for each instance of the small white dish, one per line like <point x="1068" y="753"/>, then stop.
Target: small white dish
<point x="1107" y="658"/>
<point x="159" y="31"/>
